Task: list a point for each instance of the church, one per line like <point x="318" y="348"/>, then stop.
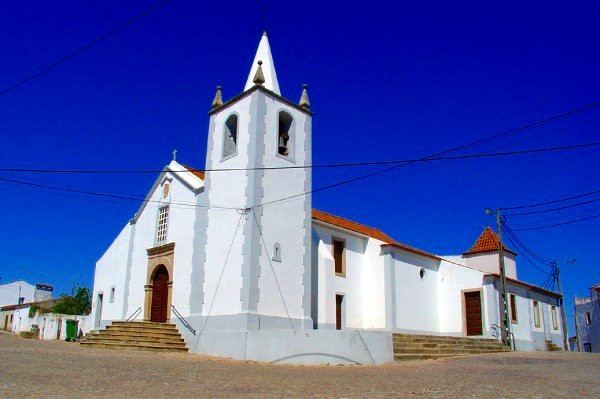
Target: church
<point x="237" y="259"/>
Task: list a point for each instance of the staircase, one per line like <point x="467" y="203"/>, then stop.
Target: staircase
<point x="420" y="347"/>
<point x="551" y="347"/>
<point x="137" y="335"/>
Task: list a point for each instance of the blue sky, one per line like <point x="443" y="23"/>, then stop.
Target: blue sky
<point x="386" y="81"/>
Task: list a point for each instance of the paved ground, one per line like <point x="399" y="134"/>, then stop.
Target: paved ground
<point x="53" y="369"/>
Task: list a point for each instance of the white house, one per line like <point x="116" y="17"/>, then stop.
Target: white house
<point x="239" y="253"/>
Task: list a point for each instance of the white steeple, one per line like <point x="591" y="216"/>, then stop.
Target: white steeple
<point x="263" y="53"/>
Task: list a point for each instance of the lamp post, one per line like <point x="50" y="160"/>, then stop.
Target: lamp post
<point x="502" y="294"/>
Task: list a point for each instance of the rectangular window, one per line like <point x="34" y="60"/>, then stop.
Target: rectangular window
<point x="513" y="309"/>
<point x="163" y="219"/>
<point x="21" y="300"/>
<point x="339" y="257"/>
<point x="554" y="318"/>
<point x="536" y="314"/>
<point x="588" y="318"/>
<point x="587" y="347"/>
<point x="339" y="300"/>
<point x="112" y="295"/>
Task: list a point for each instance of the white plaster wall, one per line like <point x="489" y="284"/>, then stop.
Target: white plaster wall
<point x="488" y="263"/>
<point x="417" y="306"/>
<point x="283" y="222"/>
<point x="179" y="230"/>
<point x="363" y="285"/>
<point x="9" y="293"/>
<point x="21" y="320"/>
<point x="223" y="282"/>
<point x="110" y="272"/>
<point x="455" y="279"/>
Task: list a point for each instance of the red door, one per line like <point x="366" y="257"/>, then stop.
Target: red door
<point x="473" y="313"/>
<point x="160" y="295"/>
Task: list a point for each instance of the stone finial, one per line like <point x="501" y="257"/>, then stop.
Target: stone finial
<point x="175" y="154"/>
<point x="218" y="100"/>
<point x="259" y="77"/>
<point x="304" y="102"/>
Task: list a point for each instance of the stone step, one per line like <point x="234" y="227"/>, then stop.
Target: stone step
<point x="141" y="329"/>
<point x="125" y="338"/>
<point x="110" y="340"/>
<point x="447" y="346"/>
<point x="420" y="356"/>
<point x="151" y="347"/>
<point x="417" y="338"/>
<point x="140" y="332"/>
<point x="459" y="351"/>
<point x="149" y="324"/>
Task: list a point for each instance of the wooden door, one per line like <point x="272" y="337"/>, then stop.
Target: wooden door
<point x="160" y="295"/>
<point x="473" y="313"/>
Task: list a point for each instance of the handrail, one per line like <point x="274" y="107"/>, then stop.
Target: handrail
<point x="134" y="314"/>
<point x="182" y="320"/>
<point x="510" y="335"/>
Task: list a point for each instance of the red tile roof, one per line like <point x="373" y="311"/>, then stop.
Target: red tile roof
<point x="366" y="230"/>
<point x="530" y="286"/>
<point x="487" y="242"/>
<point x="596" y="287"/>
<point x="195" y="172"/>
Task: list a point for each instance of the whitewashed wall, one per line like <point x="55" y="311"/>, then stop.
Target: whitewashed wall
<point x="488" y="263"/>
<point x="9" y="293"/>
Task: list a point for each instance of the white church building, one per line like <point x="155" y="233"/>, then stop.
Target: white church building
<point x="237" y="255"/>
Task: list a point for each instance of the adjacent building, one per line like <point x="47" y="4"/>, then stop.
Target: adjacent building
<point x="239" y="254"/>
<point x="587" y="321"/>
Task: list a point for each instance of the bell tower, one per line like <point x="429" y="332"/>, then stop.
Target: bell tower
<point x="254" y="272"/>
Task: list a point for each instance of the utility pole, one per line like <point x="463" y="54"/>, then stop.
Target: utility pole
<point x="502" y="292"/>
<point x="561" y="303"/>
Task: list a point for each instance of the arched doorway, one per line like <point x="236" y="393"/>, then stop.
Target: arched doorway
<point x="160" y="295"/>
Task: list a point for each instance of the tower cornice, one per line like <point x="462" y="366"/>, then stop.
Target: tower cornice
<point x="266" y="91"/>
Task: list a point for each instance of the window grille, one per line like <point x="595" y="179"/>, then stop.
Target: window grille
<point x="163" y="218"/>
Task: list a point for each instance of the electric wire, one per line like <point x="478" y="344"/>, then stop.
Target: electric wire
<point x="454" y="149"/>
<point x="527" y="257"/>
<point x="559" y="224"/>
<point x="551" y="202"/>
<point x="97" y="40"/>
<point x="570" y="215"/>
<point x="526" y="248"/>
<point x="86" y="192"/>
<point x="338" y="165"/>
<point x="552" y="209"/>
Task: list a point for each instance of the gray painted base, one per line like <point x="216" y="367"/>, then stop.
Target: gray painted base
<point x="298" y="346"/>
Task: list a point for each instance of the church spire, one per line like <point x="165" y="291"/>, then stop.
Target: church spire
<point x="263" y="53"/>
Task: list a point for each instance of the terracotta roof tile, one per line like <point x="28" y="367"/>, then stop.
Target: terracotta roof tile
<point x="366" y="230"/>
<point x="487" y="242"/>
<point x="195" y="172"/>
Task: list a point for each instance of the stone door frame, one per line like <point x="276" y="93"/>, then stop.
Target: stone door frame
<point x="157" y="256"/>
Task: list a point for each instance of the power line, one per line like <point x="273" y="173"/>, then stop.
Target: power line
<point x="553" y="209"/>
<point x="527" y="257"/>
<point x="111" y="195"/>
<point x="337" y="165"/>
<point x="526" y="248"/>
<point x="97" y="40"/>
<point x="559" y="224"/>
<point x="570" y="215"/>
<point x="552" y="202"/>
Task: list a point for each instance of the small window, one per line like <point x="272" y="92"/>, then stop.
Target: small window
<point x="112" y="295"/>
<point x="166" y="190"/>
<point x="21" y="300"/>
<point x="163" y="219"/>
<point x="277" y="252"/>
<point x="339" y="308"/>
<point x="513" y="309"/>
<point x="588" y="318"/>
<point x="587" y="347"/>
<point x="339" y="257"/>
<point x="422" y="273"/>
<point x="554" y="318"/>
<point x="536" y="314"/>
<point x="285" y="135"/>
<point x="230" y="136"/>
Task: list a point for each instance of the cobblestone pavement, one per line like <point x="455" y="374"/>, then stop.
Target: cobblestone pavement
<point x="52" y="369"/>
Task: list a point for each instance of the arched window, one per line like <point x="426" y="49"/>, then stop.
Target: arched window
<point x="285" y="136"/>
<point x="230" y="136"/>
